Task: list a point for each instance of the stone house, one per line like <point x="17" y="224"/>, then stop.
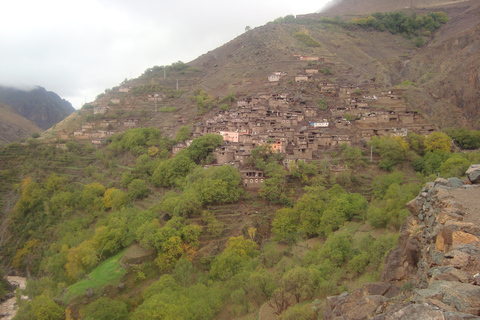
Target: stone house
<point x="131" y="122"/>
<point x="242" y="157"/>
<point x="224" y="154"/>
<point x="303" y="153"/>
<point x="273" y="78"/>
<point x="252" y="178"/>
<point x="308" y="58"/>
<point x="178" y="146"/>
<point x="100" y="110"/>
<point x="311" y="71"/>
<point x="301" y="78"/>
<point x="229" y="136"/>
<point x="310" y="112"/>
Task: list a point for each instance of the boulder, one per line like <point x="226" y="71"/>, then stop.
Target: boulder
<point x="455" y="182"/>
<point x="416" y="312"/>
<point x="365" y="307"/>
<point x="463" y="297"/>
<point x="473" y="173"/>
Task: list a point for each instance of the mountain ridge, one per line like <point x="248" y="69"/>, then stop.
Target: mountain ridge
<point x="44" y="108"/>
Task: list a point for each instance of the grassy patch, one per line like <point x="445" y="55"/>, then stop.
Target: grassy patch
<point x="167" y="109"/>
<point x="306" y="39"/>
<point x="108" y="273"/>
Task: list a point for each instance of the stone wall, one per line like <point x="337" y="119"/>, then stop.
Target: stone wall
<point x="433" y="271"/>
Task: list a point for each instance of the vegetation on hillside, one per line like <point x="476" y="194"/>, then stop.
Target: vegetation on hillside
<point x="79" y="209"/>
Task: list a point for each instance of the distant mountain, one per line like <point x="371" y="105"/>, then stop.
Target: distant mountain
<point x="44" y="108"/>
<point x="13" y="126"/>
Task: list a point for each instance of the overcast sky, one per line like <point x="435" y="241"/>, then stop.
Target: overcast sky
<point x="80" y="48"/>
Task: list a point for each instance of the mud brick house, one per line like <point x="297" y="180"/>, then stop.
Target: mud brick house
<point x="303" y="153"/>
<point x="131" y="122"/>
<point x="308" y="58"/>
<point x="301" y="78"/>
<point x="100" y="110"/>
<point x="178" y="146"/>
<point x="105" y="123"/>
<point x="252" y="178"/>
<point x="274" y="78"/>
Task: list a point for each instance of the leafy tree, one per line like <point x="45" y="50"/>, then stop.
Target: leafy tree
<point x="275" y="186"/>
<point x="466" y="139"/>
<point x="455" y="166"/>
<point x="105" y="309"/>
<point x="299" y="312"/>
<point x="261" y="285"/>
<point x="299" y="282"/>
<point x="214" y="226"/>
<point x="352" y="156"/>
<point x="438" y="141"/>
<point x="41" y="308"/>
<point x="172" y="171"/>
<point x="137" y="189"/>
<point x="234" y="258"/>
<point x="215" y="184"/>
<point x="391" y="150"/>
<point x="337" y="248"/>
<point x="433" y="160"/>
<point x="285" y="225"/>
<point x="91" y="196"/>
<point x="183" y="134"/>
<point x="202" y="146"/>
<point x="184" y="205"/>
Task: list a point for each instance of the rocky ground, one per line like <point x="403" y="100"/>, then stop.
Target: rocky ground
<point x="433" y="273"/>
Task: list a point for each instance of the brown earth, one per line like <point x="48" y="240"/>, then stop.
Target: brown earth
<point x="14" y="127"/>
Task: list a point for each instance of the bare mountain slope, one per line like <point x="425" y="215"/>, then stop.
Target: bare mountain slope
<point x="14" y="127"/>
<point x="447" y="72"/>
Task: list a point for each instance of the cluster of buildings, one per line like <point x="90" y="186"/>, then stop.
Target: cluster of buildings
<point x="298" y="129"/>
<point x="303" y="131"/>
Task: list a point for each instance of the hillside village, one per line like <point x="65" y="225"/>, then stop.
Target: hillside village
<point x="300" y="129"/>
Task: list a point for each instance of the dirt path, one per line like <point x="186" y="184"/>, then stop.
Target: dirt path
<point x="9" y="307"/>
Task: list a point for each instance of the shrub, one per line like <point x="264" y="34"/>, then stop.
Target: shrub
<point x="306" y="39"/>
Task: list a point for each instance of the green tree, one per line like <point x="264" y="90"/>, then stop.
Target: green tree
<point x="105" y="309"/>
<point x="172" y="171"/>
<point x="183" y="134"/>
<point x="202" y="146"/>
<point x="392" y="151"/>
<point x="40" y="308"/>
<point x="438" y="141"/>
<point x="299" y="282"/>
<point x="137" y="189"/>
<point x="285" y="225"/>
<point x="455" y="166"/>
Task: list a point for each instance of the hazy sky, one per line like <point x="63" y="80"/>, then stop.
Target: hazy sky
<point x="80" y="48"/>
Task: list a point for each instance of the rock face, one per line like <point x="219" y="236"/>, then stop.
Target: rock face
<point x="433" y="271"/>
<point x="473" y="173"/>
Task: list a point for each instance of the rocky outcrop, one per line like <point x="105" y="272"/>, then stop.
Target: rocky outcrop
<point x="473" y="173"/>
<point x="433" y="272"/>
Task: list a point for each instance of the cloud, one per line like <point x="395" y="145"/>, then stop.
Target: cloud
<point x="80" y="48"/>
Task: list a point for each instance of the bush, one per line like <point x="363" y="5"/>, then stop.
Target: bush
<point x="306" y="39"/>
